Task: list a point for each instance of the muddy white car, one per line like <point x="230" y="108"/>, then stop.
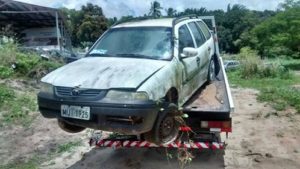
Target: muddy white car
<point x="133" y="79"/>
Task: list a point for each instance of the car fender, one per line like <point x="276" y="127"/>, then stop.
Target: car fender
<point x="159" y="83"/>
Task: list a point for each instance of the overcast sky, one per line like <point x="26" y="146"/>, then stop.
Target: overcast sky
<point x="119" y="8"/>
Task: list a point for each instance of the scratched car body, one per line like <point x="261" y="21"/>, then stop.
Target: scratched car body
<point x="129" y="75"/>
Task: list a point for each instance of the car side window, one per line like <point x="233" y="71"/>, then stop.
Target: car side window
<point x="185" y="38"/>
<point x="205" y="30"/>
<point x="198" y="35"/>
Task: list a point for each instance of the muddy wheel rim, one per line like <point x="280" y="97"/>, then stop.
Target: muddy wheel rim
<point x="168" y="131"/>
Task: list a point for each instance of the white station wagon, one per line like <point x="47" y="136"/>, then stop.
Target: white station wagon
<point x="133" y="79"/>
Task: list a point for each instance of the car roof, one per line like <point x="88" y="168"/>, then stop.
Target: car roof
<point x="163" y="22"/>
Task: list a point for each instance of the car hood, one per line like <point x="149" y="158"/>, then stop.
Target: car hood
<point x="104" y="73"/>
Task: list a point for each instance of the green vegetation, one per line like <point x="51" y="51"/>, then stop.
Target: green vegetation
<point x="67" y="147"/>
<point x="272" y="33"/>
<point x="281" y="97"/>
<point x="15" y="63"/>
<point x="30" y="164"/>
<point x="252" y="66"/>
<point x="278" y="36"/>
<point x="273" y="79"/>
<point x="15" y="106"/>
<point x="86" y="24"/>
<point x="292" y="64"/>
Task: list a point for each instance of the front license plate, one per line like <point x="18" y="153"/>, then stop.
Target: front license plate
<point x="75" y="112"/>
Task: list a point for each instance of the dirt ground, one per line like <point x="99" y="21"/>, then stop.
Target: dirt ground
<point x="262" y="138"/>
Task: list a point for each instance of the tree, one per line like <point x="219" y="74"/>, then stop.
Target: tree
<point x="288" y="4"/>
<point x="86" y="25"/>
<point x="171" y="12"/>
<point x="193" y="11"/>
<point x="155" y="10"/>
<point x="92" y="10"/>
<point x="279" y="35"/>
<point x="91" y="28"/>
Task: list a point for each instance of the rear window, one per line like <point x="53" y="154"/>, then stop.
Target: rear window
<point x="204" y="29"/>
<point x="199" y="37"/>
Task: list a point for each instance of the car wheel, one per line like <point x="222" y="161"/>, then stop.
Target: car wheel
<point x="166" y="127"/>
<point x="69" y="127"/>
<point x="211" y="76"/>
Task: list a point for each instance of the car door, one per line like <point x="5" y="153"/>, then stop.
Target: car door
<point x="202" y="52"/>
<point x="209" y="43"/>
<point x="191" y="64"/>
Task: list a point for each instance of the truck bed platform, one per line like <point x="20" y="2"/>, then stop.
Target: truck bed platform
<point x="212" y="101"/>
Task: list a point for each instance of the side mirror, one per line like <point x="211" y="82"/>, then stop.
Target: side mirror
<point x="189" y="52"/>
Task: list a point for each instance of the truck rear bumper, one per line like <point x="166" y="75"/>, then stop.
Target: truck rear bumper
<point x="131" y="119"/>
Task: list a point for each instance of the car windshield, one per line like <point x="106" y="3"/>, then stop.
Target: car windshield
<point x="137" y="42"/>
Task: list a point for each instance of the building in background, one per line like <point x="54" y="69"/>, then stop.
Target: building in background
<point x="36" y="26"/>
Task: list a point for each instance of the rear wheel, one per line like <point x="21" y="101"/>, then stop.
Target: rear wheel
<point x="69" y="127"/>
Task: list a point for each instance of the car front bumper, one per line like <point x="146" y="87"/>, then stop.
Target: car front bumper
<point x="130" y="118"/>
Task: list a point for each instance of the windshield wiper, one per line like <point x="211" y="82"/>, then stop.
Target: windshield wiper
<point x="100" y="54"/>
<point x="133" y="55"/>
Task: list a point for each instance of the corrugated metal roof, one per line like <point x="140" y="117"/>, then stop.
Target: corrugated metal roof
<point x="27" y="15"/>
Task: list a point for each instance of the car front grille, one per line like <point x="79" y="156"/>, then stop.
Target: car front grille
<point x="77" y="92"/>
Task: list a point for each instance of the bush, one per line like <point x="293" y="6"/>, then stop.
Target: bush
<point x="253" y="66"/>
<point x="6" y="94"/>
<point x="281" y="97"/>
<point x="25" y="64"/>
<point x="5" y="72"/>
<point x="250" y="62"/>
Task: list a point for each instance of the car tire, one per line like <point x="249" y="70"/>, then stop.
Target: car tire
<point x="69" y="127"/>
<point x="211" y="76"/>
<point x="166" y="127"/>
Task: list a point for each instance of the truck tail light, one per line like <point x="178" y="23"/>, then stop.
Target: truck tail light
<point x="223" y="126"/>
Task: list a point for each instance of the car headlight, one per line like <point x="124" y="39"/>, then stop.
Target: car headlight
<point x="46" y="88"/>
<point x="125" y="95"/>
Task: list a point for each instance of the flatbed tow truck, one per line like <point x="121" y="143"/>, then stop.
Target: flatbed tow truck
<point x="207" y="114"/>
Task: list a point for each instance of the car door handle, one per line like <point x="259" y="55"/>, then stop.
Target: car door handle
<point x="209" y="48"/>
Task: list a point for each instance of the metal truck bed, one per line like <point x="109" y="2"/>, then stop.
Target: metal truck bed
<point x="212" y="101"/>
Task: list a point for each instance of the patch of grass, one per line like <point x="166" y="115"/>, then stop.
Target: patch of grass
<point x="6" y="94"/>
<point x="260" y="83"/>
<point x="16" y="107"/>
<point x="33" y="163"/>
<point x="5" y="72"/>
<point x="67" y="147"/>
<point x="280" y="98"/>
<point x="277" y="90"/>
<point x="292" y="64"/>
